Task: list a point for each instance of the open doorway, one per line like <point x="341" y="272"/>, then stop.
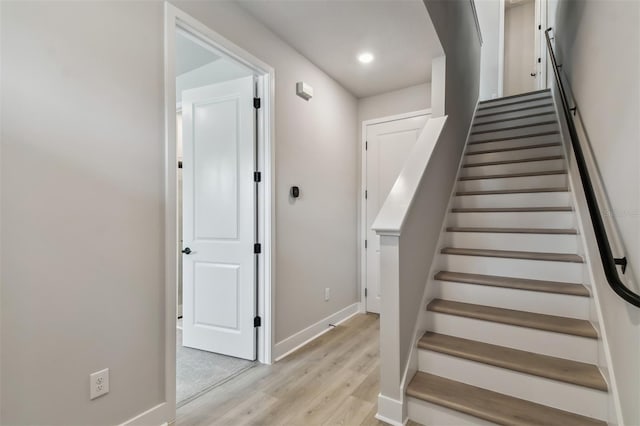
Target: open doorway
<point x="218" y="176"/>
<point x="524" y="64"/>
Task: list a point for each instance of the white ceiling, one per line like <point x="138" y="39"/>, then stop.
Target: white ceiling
<point x="191" y="55"/>
<point x="331" y="33"/>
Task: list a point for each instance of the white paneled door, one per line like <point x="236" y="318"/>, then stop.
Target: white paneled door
<point x="388" y="146"/>
<point x="219" y="290"/>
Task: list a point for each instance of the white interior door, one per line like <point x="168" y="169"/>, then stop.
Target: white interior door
<point x="388" y="146"/>
<point x="219" y="291"/>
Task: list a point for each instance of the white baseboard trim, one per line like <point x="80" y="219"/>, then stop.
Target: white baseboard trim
<point x="391" y="411"/>
<point x="301" y="338"/>
<point x="155" y="416"/>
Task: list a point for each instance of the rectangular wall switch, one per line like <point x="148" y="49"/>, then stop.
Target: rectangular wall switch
<point x="327" y="294"/>
<point x="99" y="383"/>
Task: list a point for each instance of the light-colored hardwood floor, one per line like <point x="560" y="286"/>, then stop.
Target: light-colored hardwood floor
<point x="331" y="381"/>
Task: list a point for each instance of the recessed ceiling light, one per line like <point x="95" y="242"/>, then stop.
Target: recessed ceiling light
<point x="365" y="57"/>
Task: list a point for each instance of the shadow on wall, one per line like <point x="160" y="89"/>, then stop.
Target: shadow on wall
<point x="570" y="13"/>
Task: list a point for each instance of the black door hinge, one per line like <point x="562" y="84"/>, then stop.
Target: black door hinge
<point x="256" y="103"/>
<point x="365" y="292"/>
<point x="257" y="177"/>
<point x="257" y="248"/>
<point x="365" y="243"/>
<point x="539" y="60"/>
<point x="365" y="194"/>
<point x="257" y="322"/>
<point x="539" y="27"/>
<point x="366" y="145"/>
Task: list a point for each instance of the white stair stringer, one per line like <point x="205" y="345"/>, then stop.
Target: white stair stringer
<point x="510" y="244"/>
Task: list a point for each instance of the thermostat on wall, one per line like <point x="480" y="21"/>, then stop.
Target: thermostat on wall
<point x="304" y="90"/>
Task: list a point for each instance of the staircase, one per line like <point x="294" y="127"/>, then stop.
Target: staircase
<point x="509" y="340"/>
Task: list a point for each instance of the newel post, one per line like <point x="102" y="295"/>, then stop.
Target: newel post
<point x="390" y="400"/>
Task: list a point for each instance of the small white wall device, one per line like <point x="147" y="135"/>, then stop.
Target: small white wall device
<point x="304" y="90"/>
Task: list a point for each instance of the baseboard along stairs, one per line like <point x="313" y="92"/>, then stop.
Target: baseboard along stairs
<point x="510" y="340"/>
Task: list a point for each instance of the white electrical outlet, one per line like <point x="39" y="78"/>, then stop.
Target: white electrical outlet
<point x="327" y="294"/>
<point x="99" y="383"/>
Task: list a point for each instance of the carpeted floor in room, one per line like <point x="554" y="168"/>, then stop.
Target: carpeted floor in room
<point x="200" y="371"/>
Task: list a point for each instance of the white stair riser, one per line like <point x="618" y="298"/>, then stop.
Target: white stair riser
<point x="545" y="243"/>
<point x="532" y="166"/>
<point x="525" y="182"/>
<point x="514" y="220"/>
<point x="513" y="133"/>
<point x="516" y="114"/>
<point x="560" y="345"/>
<point x="508" y="298"/>
<point x="541" y="199"/>
<point x="483" y="111"/>
<point x="524" y="121"/>
<point x="513" y="143"/>
<point x="426" y="413"/>
<point x="513" y="155"/>
<point x="518" y="268"/>
<point x="552" y="393"/>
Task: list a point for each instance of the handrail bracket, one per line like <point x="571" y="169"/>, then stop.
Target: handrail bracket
<point x="621" y="261"/>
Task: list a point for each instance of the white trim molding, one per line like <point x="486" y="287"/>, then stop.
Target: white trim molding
<point x="392" y="411"/>
<point x="153" y="416"/>
<point x="301" y="338"/>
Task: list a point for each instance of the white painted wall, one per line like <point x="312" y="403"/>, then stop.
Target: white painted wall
<point x="409" y="99"/>
<point x="602" y="68"/>
<point x="519" y="48"/>
<point x="82" y="193"/>
<point x="489" y="16"/>
<point x="82" y="267"/>
<point x="211" y="73"/>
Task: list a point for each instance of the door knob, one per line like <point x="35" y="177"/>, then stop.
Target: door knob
<point x="187" y="250"/>
<point x="533" y="74"/>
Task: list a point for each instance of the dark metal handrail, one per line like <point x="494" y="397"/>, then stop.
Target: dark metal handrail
<point x="606" y="255"/>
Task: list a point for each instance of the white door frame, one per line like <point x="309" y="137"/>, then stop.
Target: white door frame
<point x="174" y="19"/>
<point x="362" y="225"/>
<point x="541" y="8"/>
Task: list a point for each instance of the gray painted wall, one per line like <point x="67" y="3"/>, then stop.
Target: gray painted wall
<point x="82" y="139"/>
<point x="597" y="43"/>
<point x="456" y="28"/>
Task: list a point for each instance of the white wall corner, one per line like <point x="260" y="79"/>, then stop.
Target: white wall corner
<point x="438" y="80"/>
<point x="392" y="411"/>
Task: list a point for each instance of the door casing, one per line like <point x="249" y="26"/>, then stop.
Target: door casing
<point x="177" y="20"/>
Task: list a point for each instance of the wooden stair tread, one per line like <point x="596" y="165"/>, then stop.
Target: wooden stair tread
<point x="512" y="191"/>
<point x="564" y="370"/>
<point x="553" y="231"/>
<point x="519" y="95"/>
<point x="514" y="175"/>
<point x="516" y="127"/>
<point x="510" y="110"/>
<point x="486" y="107"/>
<point x="510" y="209"/>
<point x="515" y="283"/>
<point x="508" y="138"/>
<point x="514" y="148"/>
<point x="491" y="406"/>
<point x="576" y="327"/>
<point x="521" y="117"/>
<point x="521" y="160"/>
<point x="512" y="254"/>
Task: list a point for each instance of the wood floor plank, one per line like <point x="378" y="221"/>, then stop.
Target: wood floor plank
<point x="512" y="254"/>
<point x="307" y="385"/>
